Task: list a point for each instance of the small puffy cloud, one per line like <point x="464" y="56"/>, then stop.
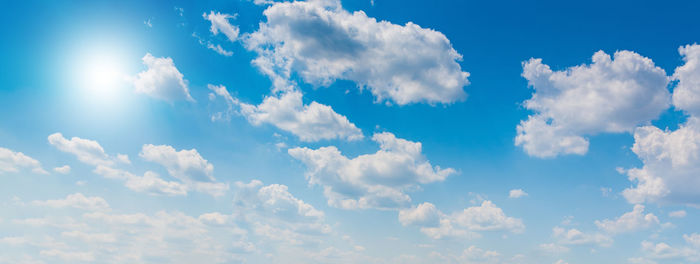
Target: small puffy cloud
<point x="150" y="182"/>
<point x="553" y="248"/>
<point x="77" y="200"/>
<point x="65" y="169"/>
<point x="11" y="161"/>
<point x="187" y="166"/>
<point x="162" y="80"/>
<point x="686" y="95"/>
<point x="220" y="23"/>
<point x="574" y="236"/>
<point x="662" y="251"/>
<point x="677" y="214"/>
<point x="611" y="95"/>
<point x="378" y="180"/>
<point x="310" y="122"/>
<point x="87" y="151"/>
<point x="436" y="224"/>
<point x="322" y="42"/>
<point x="517" y="193"/>
<point x="671" y="162"/>
<point x="629" y="222"/>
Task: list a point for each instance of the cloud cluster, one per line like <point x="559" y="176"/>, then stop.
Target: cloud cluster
<point x="378" y="180"/>
<point x="609" y="95"/>
<point x="436" y="224"/>
<point x="322" y="42"/>
<point x="220" y="23"/>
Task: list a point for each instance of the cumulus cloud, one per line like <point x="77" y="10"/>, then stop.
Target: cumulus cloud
<point x="65" y="169"/>
<point x="629" y="222"/>
<point x="162" y="80"/>
<point x="220" y="23"/>
<point x="436" y="224"/>
<point x="574" y="236"/>
<point x="185" y="165"/>
<point x="86" y="150"/>
<point x="150" y="182"/>
<point x="517" y="193"/>
<point x="310" y="122"/>
<point x="76" y="200"/>
<point x="611" y="95"/>
<point x="663" y="251"/>
<point x="671" y="162"/>
<point x="686" y="95"/>
<point x="322" y="42"/>
<point x="11" y="161"/>
<point x="378" y="180"/>
<point x="677" y="214"/>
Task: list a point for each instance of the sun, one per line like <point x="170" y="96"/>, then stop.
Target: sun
<point x="102" y="75"/>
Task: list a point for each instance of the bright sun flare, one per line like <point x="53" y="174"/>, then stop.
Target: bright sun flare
<point x="102" y="76"/>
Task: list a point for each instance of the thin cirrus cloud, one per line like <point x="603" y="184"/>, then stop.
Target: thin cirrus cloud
<point x="620" y="94"/>
<point x="322" y="42"/>
<point x="378" y="180"/>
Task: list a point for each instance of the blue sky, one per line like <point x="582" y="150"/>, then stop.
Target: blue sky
<point x="323" y="131"/>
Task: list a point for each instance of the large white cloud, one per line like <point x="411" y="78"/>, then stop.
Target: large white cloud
<point x="11" y="161"/>
<point x="436" y="224"/>
<point x="185" y="165"/>
<point x="310" y="122"/>
<point x="162" y="80"/>
<point x="609" y="95"/>
<point x="378" y="180"/>
<point x="686" y="95"/>
<point x="322" y="42"/>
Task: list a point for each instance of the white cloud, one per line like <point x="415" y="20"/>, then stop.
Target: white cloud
<point x="87" y="151"/>
<point x="629" y="222"/>
<point x="665" y="251"/>
<point x="378" y="180"/>
<point x="311" y="122"/>
<point x="517" y="193"/>
<point x="65" y="169"/>
<point x="671" y="161"/>
<point x="574" y="236"/>
<point x="436" y="224"/>
<point x="553" y="248"/>
<point x="11" y="161"/>
<point x="162" y="80"/>
<point x="322" y="42"/>
<point x="220" y="23"/>
<point x="68" y="256"/>
<point x="150" y="182"/>
<point x="686" y="95"/>
<point x="677" y="214"/>
<point x="187" y="166"/>
<point x="77" y="200"/>
<point x="609" y="95"/>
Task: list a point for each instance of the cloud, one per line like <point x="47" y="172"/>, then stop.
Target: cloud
<point x="610" y="95"/>
<point x="65" y="169"/>
<point x="378" y="180"/>
<point x="671" y="161"/>
<point x="574" y="236"/>
<point x="87" y="151"/>
<point x="150" y="182"/>
<point x="77" y="200"/>
<point x="691" y="252"/>
<point x="436" y="224"/>
<point x="629" y="222"/>
<point x="11" y="161"/>
<point x="185" y="165"/>
<point x="677" y="214"/>
<point x="686" y="95"/>
<point x="162" y="80"/>
<point x="220" y="23"/>
<point x="322" y="42"/>
<point x="517" y="193"/>
<point x="311" y="122"/>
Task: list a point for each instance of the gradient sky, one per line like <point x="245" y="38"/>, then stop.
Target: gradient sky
<point x="379" y="131"/>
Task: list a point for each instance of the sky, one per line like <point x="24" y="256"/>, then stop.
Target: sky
<point x="328" y="131"/>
